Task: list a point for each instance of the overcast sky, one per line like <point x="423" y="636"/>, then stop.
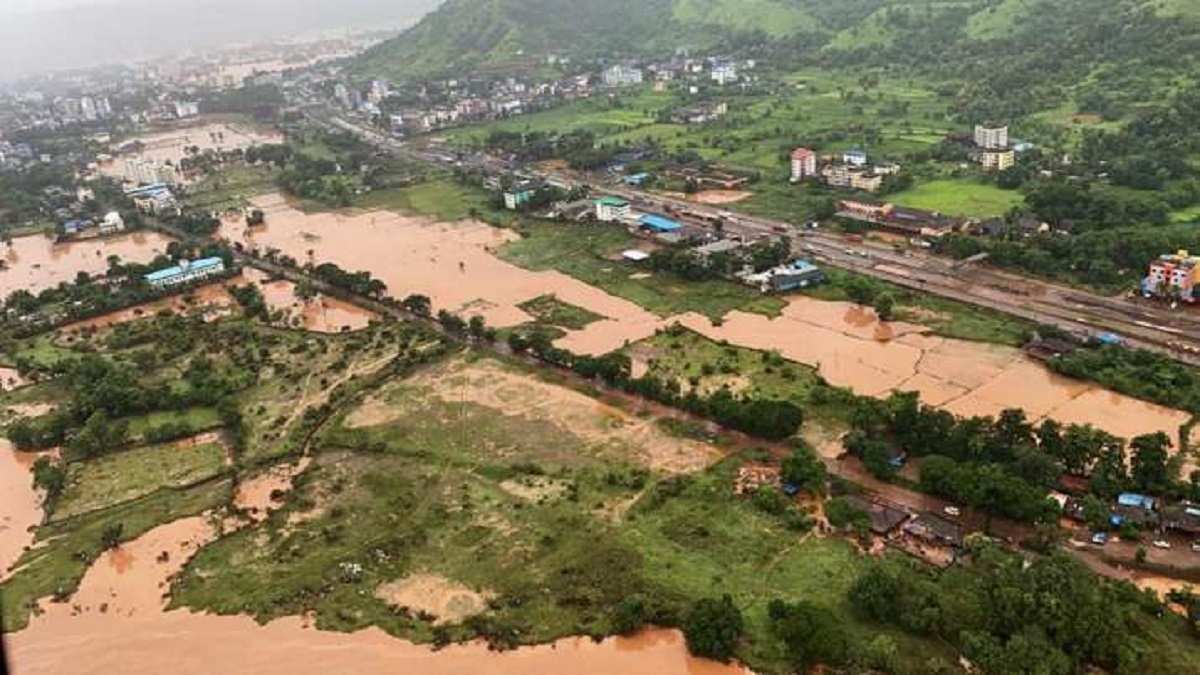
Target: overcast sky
<point x="18" y="6"/>
<point x="44" y="34"/>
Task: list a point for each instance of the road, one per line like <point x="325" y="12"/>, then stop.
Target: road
<point x="1145" y="325"/>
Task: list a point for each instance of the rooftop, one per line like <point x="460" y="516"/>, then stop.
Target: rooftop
<point x="660" y="223"/>
<point x="616" y="202"/>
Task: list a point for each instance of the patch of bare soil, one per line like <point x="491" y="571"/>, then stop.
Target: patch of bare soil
<point x="435" y="595"/>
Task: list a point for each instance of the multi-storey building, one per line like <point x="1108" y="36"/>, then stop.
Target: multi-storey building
<point x="1173" y="275"/>
<point x="804" y="164"/>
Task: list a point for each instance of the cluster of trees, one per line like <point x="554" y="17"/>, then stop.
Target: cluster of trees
<point x="105" y="392"/>
<point x="769" y="419"/>
<point x="358" y="283"/>
<point x="578" y="147"/>
<point x="29" y="194"/>
<point x="1106" y="258"/>
<point x="1004" y="466"/>
<point x="1137" y="372"/>
<point x="1008" y="615"/>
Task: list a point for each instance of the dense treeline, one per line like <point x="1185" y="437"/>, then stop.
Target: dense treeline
<point x="1004" y="466"/>
<point x="1136" y="372"/>
<point x="1009" y="615"/>
<point x="105" y="391"/>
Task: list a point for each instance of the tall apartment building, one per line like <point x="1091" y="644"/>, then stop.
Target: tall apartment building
<point x="991" y="136"/>
<point x="804" y="164"/>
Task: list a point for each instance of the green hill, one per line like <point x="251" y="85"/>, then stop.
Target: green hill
<point x="1001" y="45"/>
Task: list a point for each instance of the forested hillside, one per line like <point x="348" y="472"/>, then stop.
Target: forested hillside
<point x="1003" y="46"/>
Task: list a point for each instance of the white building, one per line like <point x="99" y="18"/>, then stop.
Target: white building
<point x="112" y="223"/>
<point x="991" y="136"/>
<point x="148" y="172"/>
<point x="185" y="109"/>
<point x="622" y="76"/>
<point x="724" y="73"/>
<point x="997" y="160"/>
<point x="612" y="209"/>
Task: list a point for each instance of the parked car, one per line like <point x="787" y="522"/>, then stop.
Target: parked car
<point x="1196" y="546"/>
<point x="1162" y="543"/>
<point x="952" y="511"/>
<point x="1100" y="538"/>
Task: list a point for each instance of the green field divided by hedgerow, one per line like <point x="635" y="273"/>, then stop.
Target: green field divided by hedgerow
<point x="129" y="474"/>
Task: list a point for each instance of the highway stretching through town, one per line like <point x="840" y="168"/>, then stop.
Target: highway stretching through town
<point x="1140" y="323"/>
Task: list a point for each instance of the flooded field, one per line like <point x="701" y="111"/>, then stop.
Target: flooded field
<point x="20" y="505"/>
<point x="852" y="348"/>
<point x="171" y="146"/>
<point x="36" y="263"/>
<point x="454" y="265"/>
<point x="451" y="263"/>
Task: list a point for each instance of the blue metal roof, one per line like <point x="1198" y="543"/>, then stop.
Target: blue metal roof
<point x="176" y="270"/>
<point x="165" y="273"/>
<point x="660" y="223"/>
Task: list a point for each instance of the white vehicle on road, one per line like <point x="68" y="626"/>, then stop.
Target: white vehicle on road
<point x="952" y="511"/>
<point x="1162" y="543"/>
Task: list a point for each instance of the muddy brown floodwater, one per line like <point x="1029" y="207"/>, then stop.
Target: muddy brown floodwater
<point x="36" y="263"/>
<point x="454" y="264"/>
<point x="20" y="505"/>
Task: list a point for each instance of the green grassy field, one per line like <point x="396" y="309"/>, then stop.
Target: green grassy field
<point x="130" y="474"/>
<point x="442" y="199"/>
<point x="959" y="198"/>
<point x="231" y="188"/>
<point x="705" y="366"/>
<point x="196" y="419"/>
<point x="549" y="310"/>
<point x="592" y="255"/>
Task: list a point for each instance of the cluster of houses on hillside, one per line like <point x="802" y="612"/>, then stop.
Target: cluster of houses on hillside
<point x="849" y="170"/>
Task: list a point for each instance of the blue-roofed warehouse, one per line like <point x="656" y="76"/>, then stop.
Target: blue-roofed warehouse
<point x="185" y="272"/>
<point x="660" y="224"/>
